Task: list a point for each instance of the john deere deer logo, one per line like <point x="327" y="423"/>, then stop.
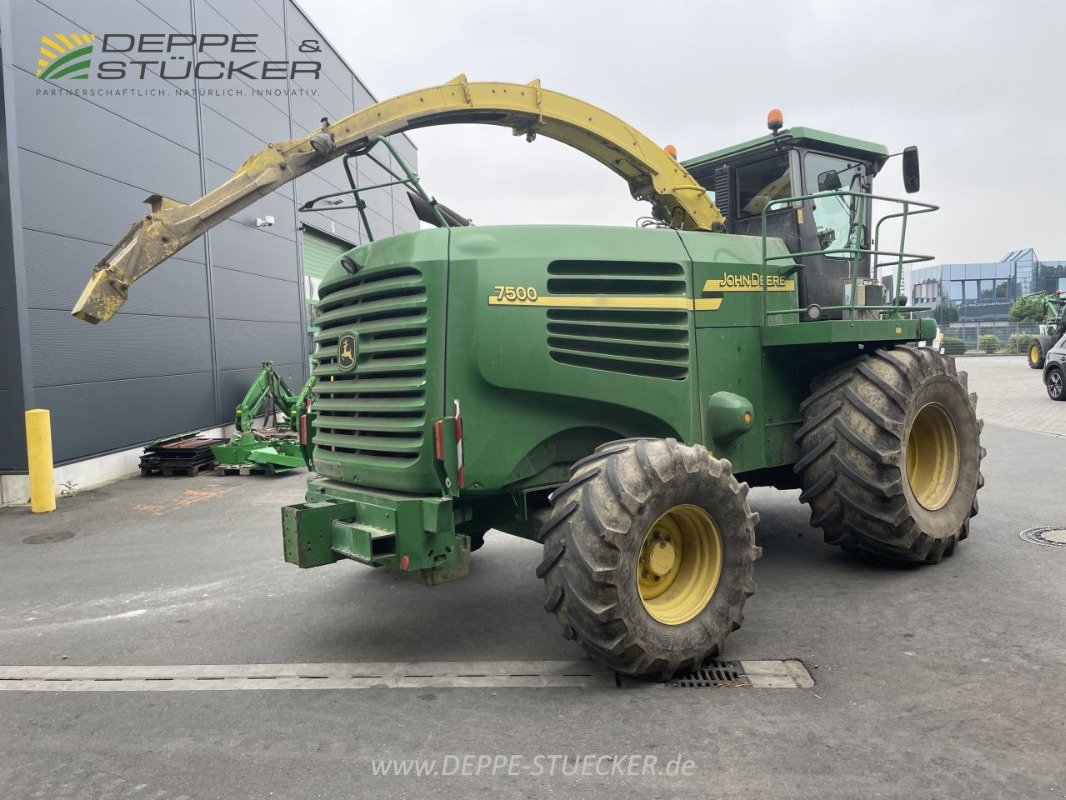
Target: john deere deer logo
<point x="65" y="55"/>
<point x="346" y="352"/>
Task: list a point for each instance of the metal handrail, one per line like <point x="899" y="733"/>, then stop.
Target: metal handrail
<point x="855" y="253"/>
<point x="409" y="178"/>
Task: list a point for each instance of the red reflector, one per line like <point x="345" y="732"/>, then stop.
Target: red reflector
<point x="460" y="479"/>
<point x="438" y="439"/>
<point x="303" y="430"/>
<point x="405" y="562"/>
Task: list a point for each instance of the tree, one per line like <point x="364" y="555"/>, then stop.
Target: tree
<point x="1028" y="309"/>
<point x="945" y="313"/>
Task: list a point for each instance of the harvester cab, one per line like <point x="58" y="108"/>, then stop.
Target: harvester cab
<point x="812" y="190"/>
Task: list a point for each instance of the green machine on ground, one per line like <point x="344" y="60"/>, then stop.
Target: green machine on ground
<point x="1051" y="329"/>
<point x="275" y="447"/>
<point x="611" y="393"/>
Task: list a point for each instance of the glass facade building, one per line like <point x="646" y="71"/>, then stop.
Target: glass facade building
<point x="985" y="291"/>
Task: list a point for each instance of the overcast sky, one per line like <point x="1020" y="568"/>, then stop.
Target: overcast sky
<point x="977" y="86"/>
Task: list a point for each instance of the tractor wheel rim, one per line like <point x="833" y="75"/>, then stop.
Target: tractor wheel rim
<point x="1034" y="353"/>
<point x="679" y="564"/>
<point x="932" y="456"/>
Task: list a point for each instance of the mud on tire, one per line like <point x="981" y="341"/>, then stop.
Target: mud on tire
<point x="864" y="442"/>
<point x="593" y="542"/>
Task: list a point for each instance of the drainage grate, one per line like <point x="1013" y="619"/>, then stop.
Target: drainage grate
<point x="50" y="537"/>
<point x="1049" y="537"/>
<point x="715" y="674"/>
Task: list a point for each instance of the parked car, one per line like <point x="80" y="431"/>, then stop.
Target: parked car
<point x="1055" y="371"/>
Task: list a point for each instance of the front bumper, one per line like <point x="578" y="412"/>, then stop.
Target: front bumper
<point x="413" y="535"/>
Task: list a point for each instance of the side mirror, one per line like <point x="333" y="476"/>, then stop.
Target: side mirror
<point x="828" y="181"/>
<point x="911" y="174"/>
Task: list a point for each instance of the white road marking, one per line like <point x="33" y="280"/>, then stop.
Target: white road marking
<point x="370" y="675"/>
<point x="789" y="674"/>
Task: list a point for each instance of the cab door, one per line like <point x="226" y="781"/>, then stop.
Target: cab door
<point x="831" y="224"/>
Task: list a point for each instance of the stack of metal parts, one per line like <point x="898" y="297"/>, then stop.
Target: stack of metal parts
<point x="182" y="455"/>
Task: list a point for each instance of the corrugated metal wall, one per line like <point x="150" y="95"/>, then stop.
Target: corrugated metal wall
<point x="320" y="251"/>
<point x="11" y="438"/>
<point x="181" y="352"/>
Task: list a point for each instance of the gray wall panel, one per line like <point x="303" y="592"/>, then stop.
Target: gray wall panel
<point x="65" y="350"/>
<point x="299" y="28"/>
<point x="260" y="115"/>
<point x="60" y="265"/>
<point x="273" y="9"/>
<point x="176" y="14"/>
<point x="324" y="98"/>
<point x="103" y="417"/>
<point x="242" y="343"/>
<point x="244" y="16"/>
<point x="404" y="216"/>
<point x="228" y="144"/>
<point x="143" y="158"/>
<point x="240" y="296"/>
<point x="66" y="200"/>
<point x="252" y="250"/>
<point x="361" y="96"/>
<point x="12" y="437"/>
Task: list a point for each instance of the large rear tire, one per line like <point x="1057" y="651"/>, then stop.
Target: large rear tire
<point x="890" y="455"/>
<point x="648" y="556"/>
<point x="1036" y="354"/>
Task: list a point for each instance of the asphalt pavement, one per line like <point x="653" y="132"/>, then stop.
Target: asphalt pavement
<point x="944" y="681"/>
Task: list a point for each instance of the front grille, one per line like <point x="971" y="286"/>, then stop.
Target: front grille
<point x="377" y="411"/>
<point x="648" y="342"/>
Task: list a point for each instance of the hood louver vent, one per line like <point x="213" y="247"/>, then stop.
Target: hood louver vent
<point x="651" y="343"/>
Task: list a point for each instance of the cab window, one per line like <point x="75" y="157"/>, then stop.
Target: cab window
<point x="762" y="182"/>
<point x="833" y="214"/>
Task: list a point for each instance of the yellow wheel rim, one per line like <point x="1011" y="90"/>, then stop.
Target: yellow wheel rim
<point x="1034" y="353"/>
<point x="932" y="456"/>
<point x="679" y="564"/>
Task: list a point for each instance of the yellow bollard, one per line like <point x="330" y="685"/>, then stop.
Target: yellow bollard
<point x="39" y="457"/>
